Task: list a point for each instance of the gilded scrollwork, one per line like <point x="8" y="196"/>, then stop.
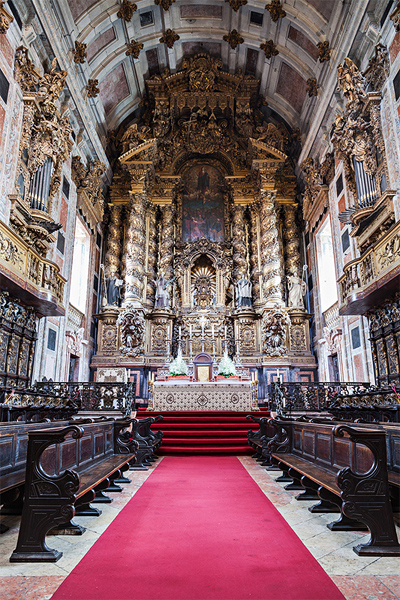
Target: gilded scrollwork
<point x="239" y="241"/>
<point x="274" y="326"/>
<point x="132" y="327"/>
<point x="291" y="239"/>
<point x="114" y="240"/>
<point x="270" y="250"/>
<point x="5" y="18"/>
<point x="167" y="242"/>
<point x="134" y="250"/>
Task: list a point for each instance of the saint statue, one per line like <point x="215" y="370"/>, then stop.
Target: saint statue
<point x="162" y="292"/>
<point x="113" y="288"/>
<point x="297" y="289"/>
<point x="243" y="291"/>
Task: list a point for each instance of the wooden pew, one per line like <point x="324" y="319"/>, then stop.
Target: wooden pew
<point x="148" y="441"/>
<point x="64" y="468"/>
<point x="344" y="466"/>
<point x="260" y="440"/>
<point x="155" y="438"/>
<point x="14" y="445"/>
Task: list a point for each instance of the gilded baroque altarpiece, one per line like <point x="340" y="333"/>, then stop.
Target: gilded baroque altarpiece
<point x="203" y="243"/>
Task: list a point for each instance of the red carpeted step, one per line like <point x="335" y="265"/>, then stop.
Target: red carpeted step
<point x="204" y="432"/>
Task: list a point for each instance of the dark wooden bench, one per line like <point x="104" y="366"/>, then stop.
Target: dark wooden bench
<point x="13" y="448"/>
<point x="345" y="467"/>
<point x="148" y="441"/>
<point x="65" y="467"/>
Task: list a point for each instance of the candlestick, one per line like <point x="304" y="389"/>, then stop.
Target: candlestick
<point x="190" y="330"/>
<point x="180" y="331"/>
<point x="212" y="329"/>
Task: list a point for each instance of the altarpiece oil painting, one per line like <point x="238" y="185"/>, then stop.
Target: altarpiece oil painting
<point x="203" y="204"/>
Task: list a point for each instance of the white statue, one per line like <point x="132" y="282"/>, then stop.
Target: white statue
<point x="297" y="289"/>
<point x="243" y="291"/>
<point x="162" y="292"/>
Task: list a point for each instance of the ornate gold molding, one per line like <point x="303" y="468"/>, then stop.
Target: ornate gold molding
<point x="5" y="18"/>
<point x="275" y="10"/>
<point x="134" y="49"/>
<point x="39" y="277"/>
<point x="236" y="4"/>
<point x="169" y="38"/>
<point x="233" y="38"/>
<point x="269" y="48"/>
<point x="79" y="52"/>
<point x="312" y="87"/>
<point x="324" y="51"/>
<point x="93" y="88"/>
<point x="126" y="10"/>
<point x="371" y="271"/>
<point x="166" y="4"/>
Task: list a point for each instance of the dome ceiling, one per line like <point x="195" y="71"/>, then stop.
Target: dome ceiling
<point x="283" y="53"/>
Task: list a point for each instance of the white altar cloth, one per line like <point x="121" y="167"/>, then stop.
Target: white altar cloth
<point x="183" y="395"/>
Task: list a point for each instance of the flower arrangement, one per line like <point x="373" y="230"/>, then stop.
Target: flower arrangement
<point x="226" y="366"/>
<point x="178" y="365"/>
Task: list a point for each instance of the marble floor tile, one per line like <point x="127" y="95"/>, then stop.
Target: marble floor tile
<point x="392" y="582"/>
<point x="29" y="588"/>
<point x="363" y="587"/>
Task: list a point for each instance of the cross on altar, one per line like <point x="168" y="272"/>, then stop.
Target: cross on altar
<point x="203" y="322"/>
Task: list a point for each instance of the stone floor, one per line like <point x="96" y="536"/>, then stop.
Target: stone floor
<point x="359" y="578"/>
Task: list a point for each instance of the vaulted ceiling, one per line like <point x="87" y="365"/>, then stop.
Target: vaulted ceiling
<point x="200" y="26"/>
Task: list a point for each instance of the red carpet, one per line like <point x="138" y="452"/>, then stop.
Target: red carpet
<point x="198" y="529"/>
<point x="220" y="433"/>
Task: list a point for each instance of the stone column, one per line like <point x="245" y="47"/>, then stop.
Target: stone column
<point x="292" y="242"/>
<point x="112" y="258"/>
<point x="167" y="242"/>
<point x="255" y="252"/>
<point x="239" y="241"/>
<point x="134" y="250"/>
<point x="270" y="251"/>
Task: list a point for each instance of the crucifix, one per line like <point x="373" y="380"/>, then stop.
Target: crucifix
<point x="202" y="321"/>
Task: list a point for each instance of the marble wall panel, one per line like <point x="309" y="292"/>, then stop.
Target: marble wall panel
<point x="2" y="118"/>
<point x="292" y="87"/>
<point x="303" y="41"/>
<point x="193" y="11"/>
<point x="6" y="50"/>
<point x="325" y="7"/>
<point x="78" y="7"/>
<point x="100" y="42"/>
<point x="113" y="88"/>
<point x="190" y="48"/>
<point x="394" y="47"/>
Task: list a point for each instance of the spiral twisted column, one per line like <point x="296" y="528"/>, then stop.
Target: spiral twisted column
<point x="135" y="250"/>
<point x="292" y="241"/>
<point x="255" y="252"/>
<point x="270" y="251"/>
<point x="151" y="252"/>
<point x="114" y="241"/>
<point x="167" y="242"/>
<point x="239" y="240"/>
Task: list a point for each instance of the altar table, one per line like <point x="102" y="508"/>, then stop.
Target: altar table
<point x="182" y="395"/>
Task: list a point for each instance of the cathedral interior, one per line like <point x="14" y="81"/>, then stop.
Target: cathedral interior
<point x="202" y="176"/>
<point x="159" y="172"/>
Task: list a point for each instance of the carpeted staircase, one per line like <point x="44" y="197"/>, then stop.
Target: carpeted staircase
<point x="204" y="432"/>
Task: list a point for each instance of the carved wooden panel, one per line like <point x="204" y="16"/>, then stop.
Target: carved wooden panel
<point x="324" y="449"/>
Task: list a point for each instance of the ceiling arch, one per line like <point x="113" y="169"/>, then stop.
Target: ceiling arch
<point x="200" y="25"/>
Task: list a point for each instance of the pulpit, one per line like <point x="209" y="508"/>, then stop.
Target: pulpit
<point x="203" y="367"/>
